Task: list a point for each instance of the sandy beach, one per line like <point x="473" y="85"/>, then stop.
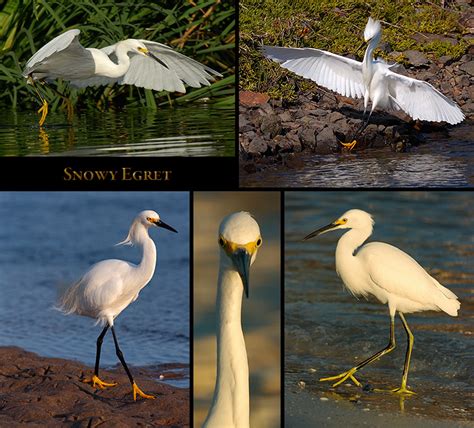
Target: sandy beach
<point x="49" y="392"/>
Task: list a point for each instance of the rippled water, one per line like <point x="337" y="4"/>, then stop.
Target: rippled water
<point x="328" y="331"/>
<point x="437" y="163"/>
<point x="195" y="130"/>
<point x="50" y="239"/>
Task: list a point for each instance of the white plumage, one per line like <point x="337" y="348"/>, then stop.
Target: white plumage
<point x="387" y="273"/>
<point x="371" y="79"/>
<point x="239" y="239"/>
<point x="109" y="286"/>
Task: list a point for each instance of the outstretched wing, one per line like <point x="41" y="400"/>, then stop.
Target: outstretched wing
<point x="420" y="100"/>
<point x="55" y="55"/>
<point x="334" y="72"/>
<point x="169" y="71"/>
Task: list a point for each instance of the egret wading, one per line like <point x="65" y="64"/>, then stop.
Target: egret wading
<point x="372" y="79"/>
<point x="391" y="276"/>
<point x="109" y="286"/>
<point x="239" y="240"/>
<point x="142" y="63"/>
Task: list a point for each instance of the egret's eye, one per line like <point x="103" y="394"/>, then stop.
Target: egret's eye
<point x="221" y="242"/>
<point x="259" y="242"/>
<point x="344" y="220"/>
<point x="149" y="219"/>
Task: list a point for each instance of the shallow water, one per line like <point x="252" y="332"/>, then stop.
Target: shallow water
<point x="436" y="163"/>
<point x="328" y="331"/>
<point x="48" y="240"/>
<point x="194" y="130"/>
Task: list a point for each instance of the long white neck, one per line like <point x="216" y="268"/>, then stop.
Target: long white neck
<point x="367" y="64"/>
<point x="230" y="404"/>
<point x="347" y="265"/>
<point x="146" y="268"/>
<point x="108" y="68"/>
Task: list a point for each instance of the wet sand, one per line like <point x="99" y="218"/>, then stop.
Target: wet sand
<point x="49" y="392"/>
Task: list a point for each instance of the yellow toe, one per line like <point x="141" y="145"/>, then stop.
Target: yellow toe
<point x="136" y="390"/>
<point x="44" y="112"/>
<point x="350" y="145"/>
<point x="97" y="383"/>
<point x="342" y="378"/>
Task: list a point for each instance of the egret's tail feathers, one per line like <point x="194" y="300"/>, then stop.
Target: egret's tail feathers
<point x="448" y="302"/>
<point x="67" y="300"/>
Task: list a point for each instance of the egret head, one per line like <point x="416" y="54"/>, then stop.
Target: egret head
<point x="352" y="219"/>
<point x="136" y="46"/>
<point x="147" y="218"/>
<point x="239" y="240"/>
<point x="372" y="29"/>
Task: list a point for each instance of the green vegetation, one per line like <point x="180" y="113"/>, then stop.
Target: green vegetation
<point x="336" y="26"/>
<point x="201" y="29"/>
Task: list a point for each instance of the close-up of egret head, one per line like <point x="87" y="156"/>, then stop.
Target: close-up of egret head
<point x="240" y="239"/>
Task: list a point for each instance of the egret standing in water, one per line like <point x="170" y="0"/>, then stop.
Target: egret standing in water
<point x="109" y="286"/>
<point x="239" y="240"/>
<point x="142" y="63"/>
<point x="371" y="79"/>
<point x="390" y="275"/>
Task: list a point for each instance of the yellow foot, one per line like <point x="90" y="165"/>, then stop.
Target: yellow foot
<point x="97" y="383"/>
<point x="403" y="390"/>
<point x="342" y="378"/>
<point x="69" y="109"/>
<point x="44" y="112"/>
<point x="349" y="146"/>
<point x="136" y="390"/>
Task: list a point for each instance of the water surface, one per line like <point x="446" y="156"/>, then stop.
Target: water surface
<point x="328" y="331"/>
<point x="49" y="240"/>
<point x="192" y="130"/>
<point x="439" y="162"/>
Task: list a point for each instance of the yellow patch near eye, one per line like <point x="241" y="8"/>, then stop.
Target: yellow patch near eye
<point x="231" y="247"/>
<point x="144" y="50"/>
<point x="341" y="221"/>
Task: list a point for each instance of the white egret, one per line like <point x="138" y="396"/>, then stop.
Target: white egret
<point x="142" y="63"/>
<point x="371" y="79"/>
<point x="239" y="240"/>
<point x="109" y="286"/>
<point x="390" y="275"/>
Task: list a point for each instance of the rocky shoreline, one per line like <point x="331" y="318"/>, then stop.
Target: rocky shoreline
<point x="277" y="132"/>
<point x="42" y="391"/>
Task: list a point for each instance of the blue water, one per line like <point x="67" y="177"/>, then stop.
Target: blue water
<point x="328" y="331"/>
<point x="50" y="239"/>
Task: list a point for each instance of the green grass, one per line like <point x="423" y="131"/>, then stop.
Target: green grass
<point x="201" y="29"/>
<point x="336" y="26"/>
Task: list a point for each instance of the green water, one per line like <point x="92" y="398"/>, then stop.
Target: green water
<point x="196" y="130"/>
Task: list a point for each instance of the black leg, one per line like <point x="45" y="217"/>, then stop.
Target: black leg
<point x="135" y="389"/>
<point x="120" y="357"/>
<point x="100" y="339"/>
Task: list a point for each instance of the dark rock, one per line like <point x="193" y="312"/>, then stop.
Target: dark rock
<point x="334" y="117"/>
<point x="285" y="116"/>
<point x="271" y="125"/>
<point x="308" y="138"/>
<point x="416" y="58"/>
<point x="257" y="146"/>
<point x="326" y="141"/>
<point x="468" y="67"/>
<point x="446" y="59"/>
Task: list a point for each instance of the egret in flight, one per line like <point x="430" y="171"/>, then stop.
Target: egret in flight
<point x="391" y="276"/>
<point x="142" y="63"/>
<point x="239" y="240"/>
<point x="372" y="79"/>
<point x="109" y="286"/>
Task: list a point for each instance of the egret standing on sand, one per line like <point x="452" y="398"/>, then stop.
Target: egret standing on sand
<point x="110" y="286"/>
<point x="141" y="63"/>
<point x="372" y="79"/>
<point x="239" y="240"/>
<point x="390" y="275"/>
